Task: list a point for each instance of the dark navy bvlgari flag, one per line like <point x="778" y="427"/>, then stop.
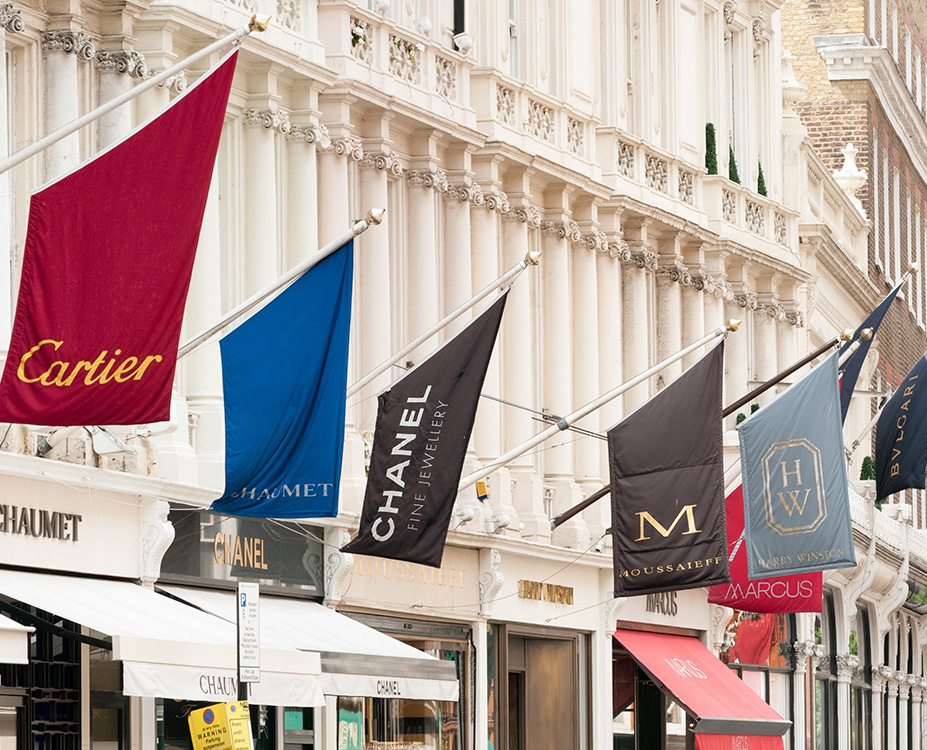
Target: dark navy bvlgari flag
<point x="284" y="373"/>
<point x="901" y="436"/>
<point x="854" y="363"/>
<point x="423" y="427"/>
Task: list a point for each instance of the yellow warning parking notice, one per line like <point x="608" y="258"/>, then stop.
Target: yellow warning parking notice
<point x="222" y="726"/>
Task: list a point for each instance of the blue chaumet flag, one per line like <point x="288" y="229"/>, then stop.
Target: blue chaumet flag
<point x="284" y="373"/>
<point x="901" y="436"/>
<point x="854" y="363"/>
<point x="796" y="505"/>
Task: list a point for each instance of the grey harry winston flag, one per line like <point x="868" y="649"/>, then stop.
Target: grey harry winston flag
<point x="423" y="427"/>
<point x="667" y="479"/>
<point x="796" y="505"/>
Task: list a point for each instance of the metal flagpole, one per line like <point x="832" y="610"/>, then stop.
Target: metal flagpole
<point x="255" y="24"/>
<point x="852" y="449"/>
<point x="564" y="423"/>
<point x="531" y="259"/>
<point x="374" y="216"/>
<point x="844" y="335"/>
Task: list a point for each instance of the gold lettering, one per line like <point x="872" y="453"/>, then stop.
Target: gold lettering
<point x="216" y="546"/>
<point x="686" y="511"/>
<point x="238" y="558"/>
<point x="48" y="379"/>
<point x="91" y="378"/>
<point x="787" y="474"/>
<point x="793" y="496"/>
<point x="144" y="366"/>
<point x="21" y="372"/>
<point x="124" y="371"/>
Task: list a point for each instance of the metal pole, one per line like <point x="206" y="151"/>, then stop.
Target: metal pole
<point x="852" y="449"/>
<point x="531" y="259"/>
<point x="564" y="423"/>
<point x="374" y="216"/>
<point x="65" y="130"/>
<point x="603" y="491"/>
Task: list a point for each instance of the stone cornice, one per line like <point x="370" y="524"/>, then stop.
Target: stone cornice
<point x="839" y="264"/>
<point x="849" y="57"/>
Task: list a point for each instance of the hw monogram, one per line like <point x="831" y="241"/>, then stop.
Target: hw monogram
<point x="793" y="494"/>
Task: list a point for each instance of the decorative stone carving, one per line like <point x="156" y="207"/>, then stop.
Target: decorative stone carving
<point x="676" y="273"/>
<point x="445" y="77"/>
<point x="756" y="217"/>
<point x="247" y="5"/>
<point x="612" y="609"/>
<point x="686" y="186"/>
<point x="435" y="179"/>
<point x="646" y="258"/>
<point x="467" y="192"/>
<point x="269" y="118"/>
<point x="576" y="131"/>
<point x="596" y="241"/>
<point x="728" y="206"/>
<point x="156" y="534"/>
<point x="759" y="30"/>
<point x="704" y="283"/>
<point x="405" y="59"/>
<point x="124" y="61"/>
<point x="655" y="173"/>
<point x="526" y="213"/>
<point x="720" y="636"/>
<point x="803" y="650"/>
<point x="384" y="161"/>
<point x="70" y="42"/>
<point x="780" y="228"/>
<point x="772" y="309"/>
<point x="618" y="249"/>
<point x="175" y="84"/>
<point x="11" y="18"/>
<point x="795" y="318"/>
<point x="540" y="121"/>
<point x="746" y="300"/>
<point x="565" y="230"/>
<point x="360" y="39"/>
<point x="338" y="564"/>
<point x="311" y="133"/>
<point x="288" y="13"/>
<point x="505" y="104"/>
<point x="729" y="9"/>
<point x="498" y="201"/>
<point x="846" y="666"/>
<point x="491" y="579"/>
<point x="349" y="146"/>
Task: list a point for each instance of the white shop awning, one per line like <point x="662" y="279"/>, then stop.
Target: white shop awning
<point x="356" y="659"/>
<point x="14" y="642"/>
<point x="168" y="649"/>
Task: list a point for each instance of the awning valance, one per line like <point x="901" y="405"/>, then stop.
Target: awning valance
<point x="14" y="642"/>
<point x="721" y="702"/>
<point x="356" y="659"/>
<point x="169" y="649"/>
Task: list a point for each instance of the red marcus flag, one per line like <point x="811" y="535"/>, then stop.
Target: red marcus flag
<point x="107" y="262"/>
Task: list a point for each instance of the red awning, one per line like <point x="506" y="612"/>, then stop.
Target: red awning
<point x="722" y="703"/>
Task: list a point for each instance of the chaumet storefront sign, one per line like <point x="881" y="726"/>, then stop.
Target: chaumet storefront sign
<point x="39" y="522"/>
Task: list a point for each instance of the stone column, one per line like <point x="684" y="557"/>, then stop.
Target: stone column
<point x="117" y="69"/>
<point x="917" y="695"/>
<point x="421" y="300"/>
<point x="374" y="292"/>
<point x="803" y="650"/>
<point x="458" y="249"/>
<point x="260" y="235"/>
<point x="694" y="293"/>
<point x="302" y="226"/>
<point x="891" y="720"/>
<point x="63" y="48"/>
<point x="671" y="275"/>
<point x="736" y="380"/>
<point x="846" y="664"/>
<point x="878" y="690"/>
<point x="904" y="695"/>
<point x="519" y="362"/>
<point x="768" y="316"/>
<point x="635" y="310"/>
<point x="203" y="368"/>
<point x="585" y="320"/>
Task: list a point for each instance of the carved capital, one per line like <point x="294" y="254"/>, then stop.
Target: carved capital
<point x="526" y="213"/>
<point x="156" y="534"/>
<point x="175" y="84"/>
<point x="675" y="272"/>
<point x="795" y="318"/>
<point x="434" y="179"/>
<point x="846" y="666"/>
<point x="383" y="161"/>
<point x="704" y="283"/>
<point x="269" y="118"/>
<point x="618" y="249"/>
<point x="311" y="133"/>
<point x="759" y="30"/>
<point x="498" y="201"/>
<point x="11" y="18"/>
<point x="729" y="9"/>
<point x="467" y="192"/>
<point x="596" y="241"/>
<point x="803" y="650"/>
<point x="746" y="300"/>
<point x="349" y="146"/>
<point x="69" y="42"/>
<point x="564" y="230"/>
<point x="645" y="258"/>
<point x="124" y="61"/>
<point x="773" y="310"/>
<point x="491" y="579"/>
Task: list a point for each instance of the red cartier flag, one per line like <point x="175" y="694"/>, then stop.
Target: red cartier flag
<point x="106" y="268"/>
<point x="782" y="594"/>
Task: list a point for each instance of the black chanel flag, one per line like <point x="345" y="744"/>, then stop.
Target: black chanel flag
<point x="901" y="436"/>
<point x="667" y="478"/>
<point x="423" y="427"/>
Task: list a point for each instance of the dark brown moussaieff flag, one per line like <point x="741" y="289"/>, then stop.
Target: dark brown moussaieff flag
<point x="667" y="476"/>
<point x="424" y="423"/>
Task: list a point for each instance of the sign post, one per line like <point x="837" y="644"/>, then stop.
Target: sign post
<point x="249" y="637"/>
